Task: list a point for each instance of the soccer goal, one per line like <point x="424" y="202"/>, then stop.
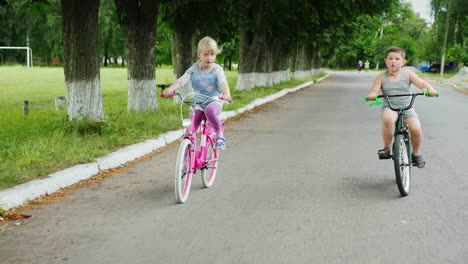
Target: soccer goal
<point x="29" y="60"/>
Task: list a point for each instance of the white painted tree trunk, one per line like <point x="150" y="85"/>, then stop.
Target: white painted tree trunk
<point x="280" y="76"/>
<point x="263" y="79"/>
<point x="84" y="100"/>
<point x="301" y="74"/>
<point x="142" y="95"/>
<point x="245" y="81"/>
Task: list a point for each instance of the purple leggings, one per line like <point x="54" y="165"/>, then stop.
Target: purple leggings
<point x="212" y="110"/>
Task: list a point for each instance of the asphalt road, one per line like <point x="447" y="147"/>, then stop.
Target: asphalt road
<point x="300" y="182"/>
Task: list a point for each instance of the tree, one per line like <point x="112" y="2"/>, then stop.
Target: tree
<point x="138" y="23"/>
<point x="110" y="35"/>
<point x="44" y="23"/>
<point x="449" y="24"/>
<point x="81" y="61"/>
<point x="13" y="30"/>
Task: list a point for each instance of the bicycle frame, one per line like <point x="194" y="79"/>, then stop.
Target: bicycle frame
<point x="402" y="148"/>
<point x="206" y="131"/>
<point x="400" y="127"/>
<point x="195" y="152"/>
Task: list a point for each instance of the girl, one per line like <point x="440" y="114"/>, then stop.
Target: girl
<point x="208" y="79"/>
<point x="398" y="81"/>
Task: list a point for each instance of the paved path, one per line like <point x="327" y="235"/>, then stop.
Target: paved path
<point x="299" y="183"/>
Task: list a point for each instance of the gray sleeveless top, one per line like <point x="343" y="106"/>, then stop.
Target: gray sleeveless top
<point x="399" y="87"/>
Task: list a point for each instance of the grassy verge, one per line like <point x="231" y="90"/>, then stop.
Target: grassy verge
<point x="44" y="141"/>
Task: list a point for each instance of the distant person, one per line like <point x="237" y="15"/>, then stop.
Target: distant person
<point x="366" y="66"/>
<point x="398" y="81"/>
<point x="208" y="79"/>
<point x="359" y="66"/>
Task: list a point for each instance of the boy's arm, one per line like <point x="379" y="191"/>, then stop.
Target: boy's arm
<point x="376" y="87"/>
<point x="420" y="83"/>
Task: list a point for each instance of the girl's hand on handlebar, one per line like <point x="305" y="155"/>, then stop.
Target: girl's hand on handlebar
<point x="226" y="98"/>
<point x="167" y="93"/>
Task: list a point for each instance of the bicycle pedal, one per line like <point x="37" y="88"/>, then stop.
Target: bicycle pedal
<point x="385" y="157"/>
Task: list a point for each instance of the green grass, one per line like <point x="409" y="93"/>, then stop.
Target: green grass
<point x="44" y="141"/>
<point x="447" y="75"/>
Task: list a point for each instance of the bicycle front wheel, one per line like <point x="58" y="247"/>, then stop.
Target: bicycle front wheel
<point x="183" y="171"/>
<point x="402" y="165"/>
<point x="208" y="172"/>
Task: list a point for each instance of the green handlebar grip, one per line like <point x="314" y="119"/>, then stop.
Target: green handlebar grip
<point x="367" y="99"/>
<point x="426" y="93"/>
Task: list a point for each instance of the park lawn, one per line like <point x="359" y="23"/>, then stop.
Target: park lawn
<point x="44" y="141"/>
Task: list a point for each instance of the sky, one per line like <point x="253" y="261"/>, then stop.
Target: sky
<point x="423" y="7"/>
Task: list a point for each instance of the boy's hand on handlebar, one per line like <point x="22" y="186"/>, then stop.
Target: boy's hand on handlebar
<point x="432" y="92"/>
<point x="371" y="96"/>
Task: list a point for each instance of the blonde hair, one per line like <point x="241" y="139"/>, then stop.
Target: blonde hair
<point x="209" y="44"/>
<point x="396" y="49"/>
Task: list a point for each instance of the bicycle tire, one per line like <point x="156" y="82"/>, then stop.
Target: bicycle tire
<point x="402" y="164"/>
<point x="183" y="171"/>
<point x="208" y="172"/>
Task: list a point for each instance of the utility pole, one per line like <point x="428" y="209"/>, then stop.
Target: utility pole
<point x="442" y="64"/>
<point x="381" y="33"/>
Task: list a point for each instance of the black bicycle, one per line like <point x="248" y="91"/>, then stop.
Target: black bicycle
<point x="402" y="149"/>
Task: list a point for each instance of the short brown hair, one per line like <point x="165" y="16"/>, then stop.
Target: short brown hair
<point x="396" y="49"/>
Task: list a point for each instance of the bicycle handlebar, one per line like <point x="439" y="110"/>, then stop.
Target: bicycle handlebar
<point x="219" y="99"/>
<point x="379" y="102"/>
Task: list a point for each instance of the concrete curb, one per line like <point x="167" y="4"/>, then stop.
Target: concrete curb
<point x="16" y="196"/>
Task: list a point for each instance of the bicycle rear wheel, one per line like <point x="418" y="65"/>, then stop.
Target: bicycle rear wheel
<point x="402" y="163"/>
<point x="183" y="171"/>
<point x="208" y="172"/>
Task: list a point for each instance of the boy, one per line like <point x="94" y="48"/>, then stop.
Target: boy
<point x="398" y="81"/>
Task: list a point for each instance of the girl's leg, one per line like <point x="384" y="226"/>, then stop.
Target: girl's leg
<point x="416" y="134"/>
<point x="389" y="118"/>
<point x="198" y="118"/>
<point x="212" y="111"/>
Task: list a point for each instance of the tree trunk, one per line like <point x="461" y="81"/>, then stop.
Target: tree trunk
<point x="183" y="51"/>
<point x="182" y="46"/>
<point x="250" y="44"/>
<point x="138" y="23"/>
<point x="81" y="59"/>
<point x="106" y="54"/>
<point x="303" y="61"/>
<point x="280" y="61"/>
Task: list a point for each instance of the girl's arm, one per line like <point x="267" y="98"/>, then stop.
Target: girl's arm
<point x="376" y="87"/>
<point x="420" y="83"/>
<point x="179" y="82"/>
<point x="226" y="91"/>
<point x="221" y="78"/>
<point x="174" y="86"/>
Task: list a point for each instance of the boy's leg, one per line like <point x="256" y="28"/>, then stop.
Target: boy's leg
<point x="416" y="134"/>
<point x="389" y="118"/>
<point x="212" y="111"/>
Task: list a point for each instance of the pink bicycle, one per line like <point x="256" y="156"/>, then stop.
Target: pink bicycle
<point x="196" y="151"/>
